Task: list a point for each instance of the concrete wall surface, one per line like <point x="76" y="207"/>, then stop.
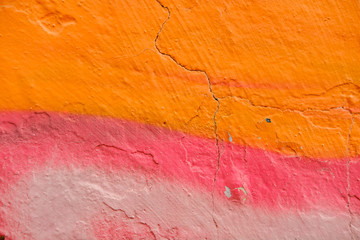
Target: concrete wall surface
<point x="179" y="119"/>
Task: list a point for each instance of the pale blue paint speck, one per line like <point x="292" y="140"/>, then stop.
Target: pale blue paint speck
<point x="227" y="192"/>
<point x="230" y="138"/>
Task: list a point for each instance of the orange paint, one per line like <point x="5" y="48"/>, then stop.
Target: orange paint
<point x="281" y="61"/>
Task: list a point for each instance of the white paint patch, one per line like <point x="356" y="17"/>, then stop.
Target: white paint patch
<point x="64" y="203"/>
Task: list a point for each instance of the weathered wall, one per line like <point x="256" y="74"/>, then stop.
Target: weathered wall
<point x="179" y="119"/>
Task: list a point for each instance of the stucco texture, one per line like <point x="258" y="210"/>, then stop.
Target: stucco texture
<point x="179" y="119"/>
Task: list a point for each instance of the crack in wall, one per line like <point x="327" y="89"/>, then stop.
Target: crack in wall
<point x="210" y="90"/>
<point x="118" y="210"/>
<point x="350" y="109"/>
<point x="348" y="204"/>
<point x="290" y="109"/>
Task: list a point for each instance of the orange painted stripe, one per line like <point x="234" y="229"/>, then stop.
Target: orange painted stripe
<point x="87" y="58"/>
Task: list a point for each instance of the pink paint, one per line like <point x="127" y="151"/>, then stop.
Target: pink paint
<point x="87" y="203"/>
<point x="36" y="143"/>
<point x="31" y="140"/>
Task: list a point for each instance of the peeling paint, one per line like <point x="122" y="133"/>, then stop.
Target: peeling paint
<point x="244" y="191"/>
<point x="227" y="192"/>
<point x="230" y="138"/>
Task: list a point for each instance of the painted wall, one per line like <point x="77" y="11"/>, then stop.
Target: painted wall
<point x="179" y="119"/>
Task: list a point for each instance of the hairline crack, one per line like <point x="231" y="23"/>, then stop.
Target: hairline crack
<point x="210" y="90"/>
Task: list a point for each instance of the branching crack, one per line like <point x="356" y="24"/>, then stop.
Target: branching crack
<point x="348" y="179"/>
<point x="210" y="90"/>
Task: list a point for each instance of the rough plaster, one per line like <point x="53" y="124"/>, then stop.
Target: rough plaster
<point x="179" y="119"/>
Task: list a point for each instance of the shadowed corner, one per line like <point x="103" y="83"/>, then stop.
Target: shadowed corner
<point x="2" y="237"/>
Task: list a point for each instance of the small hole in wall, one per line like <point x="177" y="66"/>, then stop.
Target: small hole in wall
<point x="268" y="120"/>
<point x="164" y="123"/>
